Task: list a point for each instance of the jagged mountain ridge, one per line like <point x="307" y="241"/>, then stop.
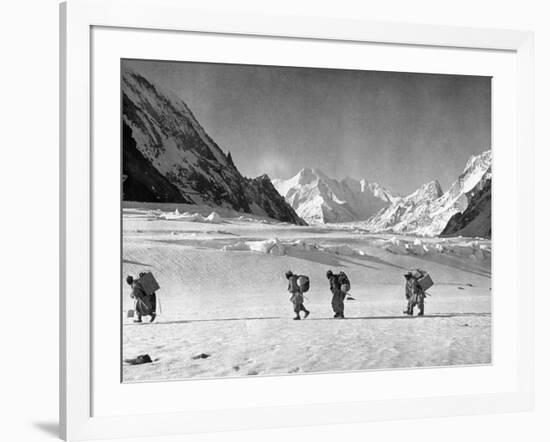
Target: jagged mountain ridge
<point x="166" y="134"/>
<point x="320" y="199"/>
<point x="428" y="210"/>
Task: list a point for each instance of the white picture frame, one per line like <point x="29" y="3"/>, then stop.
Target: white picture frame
<point x="79" y="418"/>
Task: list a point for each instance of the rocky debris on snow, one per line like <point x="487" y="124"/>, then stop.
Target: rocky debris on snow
<point x="141" y="359"/>
<point x="201" y="356"/>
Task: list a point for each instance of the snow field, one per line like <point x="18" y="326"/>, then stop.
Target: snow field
<point x="223" y="293"/>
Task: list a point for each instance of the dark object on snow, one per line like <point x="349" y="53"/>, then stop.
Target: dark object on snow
<point x="460" y="288"/>
<point x="201" y="356"/>
<point x="141" y="359"/>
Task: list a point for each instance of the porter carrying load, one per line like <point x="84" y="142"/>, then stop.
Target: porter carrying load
<point x="296" y="286"/>
<point x="417" y="282"/>
<point x="338" y="294"/>
<point x="145" y="298"/>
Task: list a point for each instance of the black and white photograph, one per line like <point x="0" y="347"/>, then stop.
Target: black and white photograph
<point x="281" y="220"/>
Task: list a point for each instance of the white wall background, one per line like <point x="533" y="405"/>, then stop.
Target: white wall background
<point x="29" y="207"/>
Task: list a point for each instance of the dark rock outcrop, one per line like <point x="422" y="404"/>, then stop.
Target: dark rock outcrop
<point x="476" y="219"/>
<point x="141" y="181"/>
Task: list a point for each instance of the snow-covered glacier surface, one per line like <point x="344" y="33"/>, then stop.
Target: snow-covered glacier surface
<point x="223" y="294"/>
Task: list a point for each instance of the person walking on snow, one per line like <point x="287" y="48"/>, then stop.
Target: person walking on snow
<point x="337" y="294"/>
<point x="144" y="304"/>
<point x="415" y="295"/>
<point x="296" y="297"/>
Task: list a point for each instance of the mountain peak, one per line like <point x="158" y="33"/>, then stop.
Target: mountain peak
<point x="428" y="210"/>
<point x="309" y="175"/>
<point x="320" y="199"/>
<point x="263" y="177"/>
<point x="428" y="191"/>
<point x="483" y="159"/>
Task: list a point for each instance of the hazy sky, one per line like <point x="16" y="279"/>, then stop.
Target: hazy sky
<point x="398" y="129"/>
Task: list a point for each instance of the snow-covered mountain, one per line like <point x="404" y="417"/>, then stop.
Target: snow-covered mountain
<point x="428" y="210"/>
<point x="169" y="157"/>
<point x="319" y="199"/>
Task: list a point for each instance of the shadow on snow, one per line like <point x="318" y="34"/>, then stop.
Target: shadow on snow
<point x="369" y="318"/>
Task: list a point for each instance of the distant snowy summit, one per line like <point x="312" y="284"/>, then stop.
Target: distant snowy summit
<point x="428" y="210"/>
<point x="319" y="199"/>
<point x="425" y="212"/>
<point x="169" y="157"/>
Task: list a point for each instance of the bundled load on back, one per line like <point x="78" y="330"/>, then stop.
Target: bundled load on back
<point x="423" y="277"/>
<point x="144" y="295"/>
<point x="303" y="283"/>
<point x="148" y="283"/>
<point x="343" y="280"/>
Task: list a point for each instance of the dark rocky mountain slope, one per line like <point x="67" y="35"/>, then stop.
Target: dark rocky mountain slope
<point x="169" y="157"/>
<point x="475" y="220"/>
